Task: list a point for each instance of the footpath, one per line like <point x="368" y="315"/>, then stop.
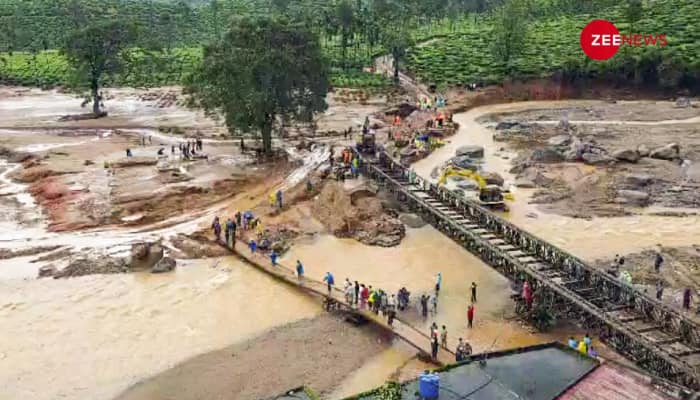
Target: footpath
<point x="400" y="328"/>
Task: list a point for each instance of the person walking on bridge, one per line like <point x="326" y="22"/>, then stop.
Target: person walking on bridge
<point x="659" y="289"/>
<point x="300" y="270"/>
<point x="216" y="226"/>
<point x="687" y="296"/>
<point x="473" y="292"/>
<point x="329" y="281"/>
<point x="230" y="232"/>
<point x="364" y="295"/>
<point x="253" y="246"/>
<point x="443" y="337"/>
<point x="273" y="258"/>
<point x="470" y="316"/>
<point x="658" y="260"/>
<point x="434" y="347"/>
<point x="357" y="293"/>
<point x="279" y="200"/>
<point x="438" y="281"/>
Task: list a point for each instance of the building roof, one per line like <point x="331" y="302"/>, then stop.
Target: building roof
<point x="540" y="372"/>
<point x="613" y="382"/>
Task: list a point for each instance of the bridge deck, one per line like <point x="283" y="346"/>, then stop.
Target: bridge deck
<point x="645" y="330"/>
<point x="401" y="329"/>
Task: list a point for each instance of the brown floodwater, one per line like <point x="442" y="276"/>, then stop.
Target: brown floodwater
<point x="589" y="239"/>
<point x="92" y="337"/>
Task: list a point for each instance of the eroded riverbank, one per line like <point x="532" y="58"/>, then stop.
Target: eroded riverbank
<point x="89" y="330"/>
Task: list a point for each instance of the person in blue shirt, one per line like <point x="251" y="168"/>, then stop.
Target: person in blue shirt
<point x="253" y="246"/>
<point x="573" y="343"/>
<point x="330" y="281"/>
<point x="438" y="281"/>
<point x="273" y="258"/>
<point x="300" y="270"/>
<point x="587" y="341"/>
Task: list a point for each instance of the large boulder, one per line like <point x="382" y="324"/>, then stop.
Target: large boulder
<point x="547" y="155"/>
<point x="92" y="263"/>
<point x="683" y="102"/>
<point x="643" y="150"/>
<point x="559" y="140"/>
<point x="470" y="151"/>
<point x="166" y="264"/>
<point x="637" y="180"/>
<point x="145" y="255"/>
<point x="669" y="152"/>
<point x="47" y="271"/>
<point x="525" y="183"/>
<point x="464" y="162"/>
<point x="597" y="159"/>
<point x="503" y="125"/>
<point x="635" y="197"/>
<point x="628" y="155"/>
<point x="492" y="178"/>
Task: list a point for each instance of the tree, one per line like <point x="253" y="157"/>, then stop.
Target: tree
<point x="634" y="12"/>
<point x="263" y="68"/>
<point x="397" y="41"/>
<point x="346" y="22"/>
<point x="96" y="51"/>
<point x="510" y="30"/>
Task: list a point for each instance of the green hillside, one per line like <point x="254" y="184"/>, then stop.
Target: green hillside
<point x="553" y="45"/>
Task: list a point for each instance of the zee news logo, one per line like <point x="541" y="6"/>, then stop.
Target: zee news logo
<point x="600" y="39"/>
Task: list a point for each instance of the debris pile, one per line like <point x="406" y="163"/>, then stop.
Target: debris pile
<point x="358" y="214"/>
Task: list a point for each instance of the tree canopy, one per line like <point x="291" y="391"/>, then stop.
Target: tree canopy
<point x="96" y="51"/>
<point x="262" y="69"/>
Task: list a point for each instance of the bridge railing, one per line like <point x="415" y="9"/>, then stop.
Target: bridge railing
<point x="557" y="258"/>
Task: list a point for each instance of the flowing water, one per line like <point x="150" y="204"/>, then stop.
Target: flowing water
<point x="93" y="336"/>
<point x="589" y="239"/>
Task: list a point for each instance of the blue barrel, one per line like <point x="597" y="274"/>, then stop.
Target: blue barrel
<point x="429" y="386"/>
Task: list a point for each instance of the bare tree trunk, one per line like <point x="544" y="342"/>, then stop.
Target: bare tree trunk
<point x="95" y="88"/>
<point x="266" y="133"/>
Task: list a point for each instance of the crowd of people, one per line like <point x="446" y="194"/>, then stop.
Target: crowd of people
<point x="583" y="346"/>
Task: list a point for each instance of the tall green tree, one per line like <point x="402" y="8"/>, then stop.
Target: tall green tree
<point x="263" y="69"/>
<point x="346" y="22"/>
<point x="397" y="41"/>
<point x="634" y="10"/>
<point x="510" y="28"/>
<point x="98" y="51"/>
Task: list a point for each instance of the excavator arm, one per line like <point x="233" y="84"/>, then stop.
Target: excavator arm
<point x="451" y="171"/>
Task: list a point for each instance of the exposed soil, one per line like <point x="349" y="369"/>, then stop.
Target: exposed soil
<point x="623" y="171"/>
<point x="318" y="352"/>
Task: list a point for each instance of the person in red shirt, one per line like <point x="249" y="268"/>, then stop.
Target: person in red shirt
<point x="470" y="315"/>
<point x="364" y="295"/>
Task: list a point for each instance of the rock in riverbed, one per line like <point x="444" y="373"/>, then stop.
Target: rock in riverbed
<point x="628" y="155"/>
<point x="669" y="152"/>
<point x="166" y="264"/>
<point x="470" y="151"/>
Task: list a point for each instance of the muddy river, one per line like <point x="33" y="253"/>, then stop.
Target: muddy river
<point x="94" y="336"/>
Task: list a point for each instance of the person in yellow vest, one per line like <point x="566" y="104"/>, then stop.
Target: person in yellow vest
<point x="259" y="228"/>
<point x="582" y="347"/>
<point x="273" y="200"/>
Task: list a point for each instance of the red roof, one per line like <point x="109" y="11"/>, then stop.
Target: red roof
<point x="612" y="382"/>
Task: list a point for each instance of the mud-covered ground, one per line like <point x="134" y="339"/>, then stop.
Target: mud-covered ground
<point x="318" y="352"/>
<point x="606" y="159"/>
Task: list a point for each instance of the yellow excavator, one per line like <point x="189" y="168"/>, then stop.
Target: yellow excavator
<point x="490" y="196"/>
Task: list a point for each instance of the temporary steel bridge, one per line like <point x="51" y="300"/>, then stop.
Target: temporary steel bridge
<point x="661" y="340"/>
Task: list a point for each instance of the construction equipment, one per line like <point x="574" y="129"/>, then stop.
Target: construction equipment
<point x="366" y="143"/>
<point x="490" y="196"/>
<point x="452" y="171"/>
